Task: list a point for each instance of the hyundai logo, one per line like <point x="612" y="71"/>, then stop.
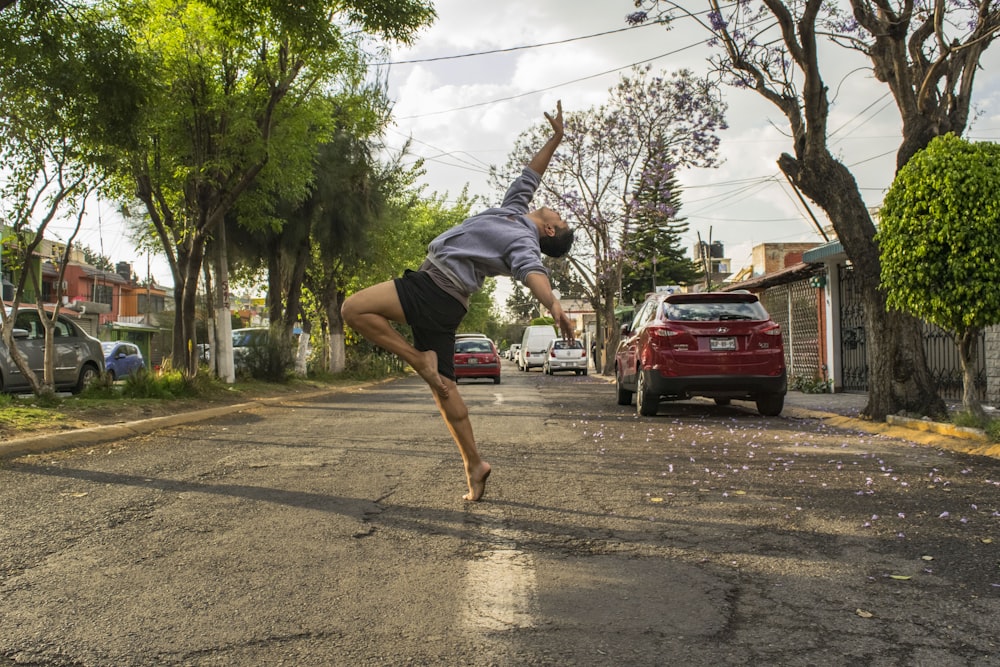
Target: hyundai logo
<point x="723" y="329"/>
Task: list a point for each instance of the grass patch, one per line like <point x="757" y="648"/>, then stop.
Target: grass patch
<point x="989" y="425"/>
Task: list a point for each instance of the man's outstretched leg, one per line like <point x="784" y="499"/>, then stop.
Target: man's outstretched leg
<point x="456" y="416"/>
<point x="369" y="311"/>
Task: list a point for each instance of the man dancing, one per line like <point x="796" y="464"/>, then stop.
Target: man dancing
<point x="504" y="241"/>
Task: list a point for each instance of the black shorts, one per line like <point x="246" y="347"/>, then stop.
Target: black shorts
<point x="433" y="315"/>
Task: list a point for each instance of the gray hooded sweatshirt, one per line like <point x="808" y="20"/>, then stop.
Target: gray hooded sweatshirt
<point x="497" y="242"/>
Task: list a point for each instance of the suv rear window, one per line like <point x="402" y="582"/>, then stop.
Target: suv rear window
<point x="714" y="311"/>
<point x="473" y="346"/>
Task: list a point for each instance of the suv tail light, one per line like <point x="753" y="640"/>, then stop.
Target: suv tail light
<point x="663" y="332"/>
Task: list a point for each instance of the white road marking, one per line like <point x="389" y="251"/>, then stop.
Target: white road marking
<point x="500" y="585"/>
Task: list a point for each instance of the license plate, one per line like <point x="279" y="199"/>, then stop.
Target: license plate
<point x="722" y="344"/>
<point x="473" y="360"/>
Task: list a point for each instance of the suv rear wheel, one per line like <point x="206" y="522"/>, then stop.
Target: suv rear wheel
<point x="646" y="402"/>
<point x="770" y="405"/>
<point x="624" y="395"/>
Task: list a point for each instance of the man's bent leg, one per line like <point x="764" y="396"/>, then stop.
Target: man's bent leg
<point x="369" y="311"/>
<point x="456" y="416"/>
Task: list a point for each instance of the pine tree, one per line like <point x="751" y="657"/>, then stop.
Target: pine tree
<point x="656" y="256"/>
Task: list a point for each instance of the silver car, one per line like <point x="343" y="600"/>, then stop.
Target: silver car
<point x="79" y="357"/>
<point x="565" y="355"/>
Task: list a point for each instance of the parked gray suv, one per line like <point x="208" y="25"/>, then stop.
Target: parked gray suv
<point x="79" y="357"/>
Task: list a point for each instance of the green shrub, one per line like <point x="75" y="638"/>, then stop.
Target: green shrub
<point x="169" y="384"/>
<point x="102" y="387"/>
<point x="272" y="360"/>
<point x="813" y="385"/>
<point x="967" y="420"/>
<point x="993" y="430"/>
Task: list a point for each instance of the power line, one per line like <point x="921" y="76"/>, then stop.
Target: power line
<point x="552" y="87"/>
<point x="512" y="48"/>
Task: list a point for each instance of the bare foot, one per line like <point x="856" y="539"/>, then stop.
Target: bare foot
<point x="430" y="375"/>
<point x="477" y="482"/>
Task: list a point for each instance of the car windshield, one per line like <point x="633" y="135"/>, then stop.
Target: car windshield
<point x="248" y="338"/>
<point x="713" y="311"/>
<point x="108" y="346"/>
<point x="473" y="346"/>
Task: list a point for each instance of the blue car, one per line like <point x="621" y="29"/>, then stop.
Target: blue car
<point x="121" y="359"/>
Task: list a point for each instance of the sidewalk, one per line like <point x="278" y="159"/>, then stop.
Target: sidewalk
<point x="845" y="404"/>
<point x="843" y="410"/>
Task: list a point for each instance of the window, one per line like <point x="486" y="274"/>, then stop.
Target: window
<point x="103" y="294"/>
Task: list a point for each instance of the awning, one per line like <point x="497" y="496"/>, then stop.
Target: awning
<point x="826" y="251"/>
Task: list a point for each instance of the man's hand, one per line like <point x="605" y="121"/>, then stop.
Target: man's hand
<point x="556" y="121"/>
<point x="563" y="321"/>
<point x="541" y="159"/>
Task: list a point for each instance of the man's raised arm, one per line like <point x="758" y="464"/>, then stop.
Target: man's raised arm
<point x="541" y="160"/>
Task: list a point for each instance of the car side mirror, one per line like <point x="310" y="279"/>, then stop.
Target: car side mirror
<point x="20" y="334"/>
<point x="626" y="329"/>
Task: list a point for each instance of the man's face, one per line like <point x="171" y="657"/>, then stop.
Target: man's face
<point x="557" y="237"/>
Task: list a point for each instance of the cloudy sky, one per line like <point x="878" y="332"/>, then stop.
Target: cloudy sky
<point x="463" y="112"/>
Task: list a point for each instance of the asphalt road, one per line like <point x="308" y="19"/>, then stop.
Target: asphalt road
<point x="332" y="532"/>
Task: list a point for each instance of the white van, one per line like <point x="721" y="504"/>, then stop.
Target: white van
<point x="534" y="342"/>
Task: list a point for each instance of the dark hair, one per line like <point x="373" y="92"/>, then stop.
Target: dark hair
<point x="558" y="244"/>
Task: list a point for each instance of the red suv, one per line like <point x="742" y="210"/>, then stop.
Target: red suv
<point x="721" y="345"/>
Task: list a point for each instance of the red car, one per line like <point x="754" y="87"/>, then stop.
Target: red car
<point x="476" y="358"/>
<point x="721" y="345"/>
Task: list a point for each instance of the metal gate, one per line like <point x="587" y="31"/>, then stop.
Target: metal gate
<point x="853" y="355"/>
<point x="943" y="360"/>
<point x="795" y="306"/>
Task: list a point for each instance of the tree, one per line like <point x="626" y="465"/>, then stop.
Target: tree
<point x="927" y="55"/>
<point x="244" y="92"/>
<point x="656" y="256"/>
<point x="938" y="240"/>
<point x="96" y="259"/>
<point x="594" y="173"/>
<point x="71" y="88"/>
<point x="521" y="305"/>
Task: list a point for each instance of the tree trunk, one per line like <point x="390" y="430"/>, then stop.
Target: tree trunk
<point x="611" y="334"/>
<point x="968" y="344"/>
<point x="189" y="261"/>
<point x="302" y="353"/>
<point x="336" y="342"/>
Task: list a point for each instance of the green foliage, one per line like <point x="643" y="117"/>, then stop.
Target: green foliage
<point x="481" y="316"/>
<point x="993" y="430"/>
<point x="989" y="425"/>
<point x="656" y="256"/>
<point x="938" y="235"/>
<point x="521" y="304"/>
<point x="367" y="362"/>
<point x="270" y="359"/>
<point x="968" y="420"/>
<point x="809" y="385"/>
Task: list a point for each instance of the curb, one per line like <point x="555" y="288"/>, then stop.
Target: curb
<point x="95" y="435"/>
<point x="932" y="434"/>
